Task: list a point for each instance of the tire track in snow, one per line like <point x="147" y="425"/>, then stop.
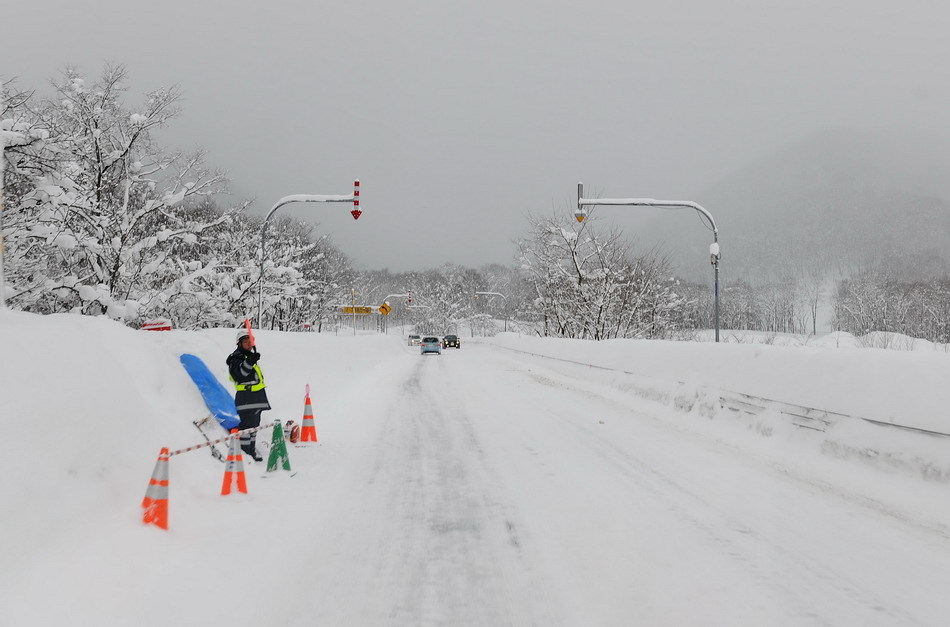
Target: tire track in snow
<point x="736" y="538"/>
<point x="450" y="550"/>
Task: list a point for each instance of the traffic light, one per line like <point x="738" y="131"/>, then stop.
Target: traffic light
<point x="409" y="300"/>
<point x="356" y="200"/>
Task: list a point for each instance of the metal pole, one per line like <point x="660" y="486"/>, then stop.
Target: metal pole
<point x="506" y="305"/>
<point x="3" y="296"/>
<point x="260" y="280"/>
<point x="386" y="300"/>
<point x="716" y="265"/>
<point x="714" y="259"/>
<point x="581" y="213"/>
<point x="353" y="198"/>
<point x="260" y="284"/>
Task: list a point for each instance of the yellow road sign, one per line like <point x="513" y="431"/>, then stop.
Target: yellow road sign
<point x="358" y="310"/>
<point x="385" y="309"/>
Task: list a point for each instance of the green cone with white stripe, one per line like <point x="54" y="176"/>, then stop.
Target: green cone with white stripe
<point x="278" y="450"/>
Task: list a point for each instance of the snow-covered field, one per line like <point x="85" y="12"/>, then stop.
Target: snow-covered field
<point x="517" y="481"/>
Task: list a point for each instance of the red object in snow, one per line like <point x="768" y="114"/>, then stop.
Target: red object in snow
<point x="250" y="333"/>
<point x="292" y="431"/>
<point x="356" y="214"/>
<point x="157" y="325"/>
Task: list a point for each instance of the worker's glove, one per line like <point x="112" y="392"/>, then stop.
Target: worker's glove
<point x="253" y="357"/>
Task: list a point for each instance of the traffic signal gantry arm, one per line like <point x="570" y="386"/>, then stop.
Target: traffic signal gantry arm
<point x="581" y="214"/>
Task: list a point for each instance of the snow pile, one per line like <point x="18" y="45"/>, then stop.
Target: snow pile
<point x="906" y="388"/>
<point x="86" y="405"/>
<point x="845" y="399"/>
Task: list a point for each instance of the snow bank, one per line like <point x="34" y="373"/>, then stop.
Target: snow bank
<point x="906" y="388"/>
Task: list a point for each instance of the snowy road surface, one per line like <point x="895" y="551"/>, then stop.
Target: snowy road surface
<point x="480" y="487"/>
<point x="492" y="490"/>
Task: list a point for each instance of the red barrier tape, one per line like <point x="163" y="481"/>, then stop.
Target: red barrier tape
<point x="224" y="439"/>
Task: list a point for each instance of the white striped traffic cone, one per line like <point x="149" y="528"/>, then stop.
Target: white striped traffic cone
<point x="234" y="467"/>
<point x="155" y="502"/>
<point x="308" y="432"/>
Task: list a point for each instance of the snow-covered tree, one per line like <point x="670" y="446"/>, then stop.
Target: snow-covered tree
<point x="874" y="300"/>
<point x="587" y="284"/>
<point x="305" y="276"/>
<point x="94" y="216"/>
<point x="27" y="159"/>
<point x="210" y="282"/>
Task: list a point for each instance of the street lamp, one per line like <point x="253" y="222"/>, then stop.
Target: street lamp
<point x="388" y="296"/>
<point x="286" y="200"/>
<point x="581" y="214"/>
<point x="497" y="294"/>
<point x="386" y="302"/>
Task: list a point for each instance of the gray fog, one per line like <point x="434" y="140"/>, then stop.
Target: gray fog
<point x="459" y="118"/>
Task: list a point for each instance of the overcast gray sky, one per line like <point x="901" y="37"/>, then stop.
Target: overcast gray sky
<point x="459" y="117"/>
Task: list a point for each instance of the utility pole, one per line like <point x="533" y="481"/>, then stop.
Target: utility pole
<point x="506" y="303"/>
<point x="581" y="214"/>
<point x="3" y="295"/>
<point x="356" y="213"/>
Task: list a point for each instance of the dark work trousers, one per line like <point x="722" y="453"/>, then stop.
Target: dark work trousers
<point x="250" y="418"/>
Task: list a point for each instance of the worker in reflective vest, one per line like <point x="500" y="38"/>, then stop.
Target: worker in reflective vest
<point x="250" y="398"/>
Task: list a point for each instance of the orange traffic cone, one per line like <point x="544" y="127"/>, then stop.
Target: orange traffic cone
<point x="234" y="468"/>
<point x="155" y="502"/>
<point x="308" y="433"/>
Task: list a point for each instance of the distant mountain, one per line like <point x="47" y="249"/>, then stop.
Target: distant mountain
<point x="839" y="200"/>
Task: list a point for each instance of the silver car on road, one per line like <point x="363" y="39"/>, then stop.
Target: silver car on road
<point x="430" y="345"/>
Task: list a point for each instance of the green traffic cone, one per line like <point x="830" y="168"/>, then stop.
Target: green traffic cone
<point x="278" y="450"/>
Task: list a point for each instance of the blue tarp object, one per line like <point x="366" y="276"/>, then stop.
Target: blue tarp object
<point x="219" y="399"/>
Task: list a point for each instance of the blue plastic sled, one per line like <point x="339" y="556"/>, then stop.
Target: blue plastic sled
<point x="219" y="400"/>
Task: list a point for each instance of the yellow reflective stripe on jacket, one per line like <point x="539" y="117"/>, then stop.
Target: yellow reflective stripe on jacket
<point x="254" y="387"/>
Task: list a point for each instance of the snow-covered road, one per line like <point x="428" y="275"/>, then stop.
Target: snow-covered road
<point x="484" y="486"/>
<point x="499" y="489"/>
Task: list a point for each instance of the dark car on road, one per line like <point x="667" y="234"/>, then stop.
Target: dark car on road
<point x="451" y="341"/>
